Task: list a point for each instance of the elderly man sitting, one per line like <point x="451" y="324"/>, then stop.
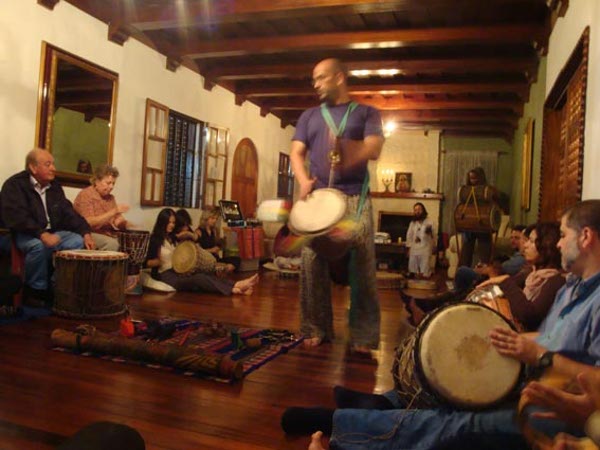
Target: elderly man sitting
<point x="42" y="220"/>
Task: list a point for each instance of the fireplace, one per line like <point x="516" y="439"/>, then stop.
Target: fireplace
<point x="394" y="223"/>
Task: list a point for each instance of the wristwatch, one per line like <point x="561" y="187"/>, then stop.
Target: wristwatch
<point x="545" y="360"/>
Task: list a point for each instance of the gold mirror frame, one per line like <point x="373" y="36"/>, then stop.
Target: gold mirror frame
<point x="94" y="100"/>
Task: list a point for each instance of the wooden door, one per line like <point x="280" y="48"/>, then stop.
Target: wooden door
<point x="244" y="182"/>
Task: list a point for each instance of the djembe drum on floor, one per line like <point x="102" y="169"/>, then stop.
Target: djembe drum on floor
<point x="449" y="360"/>
<point x="135" y="244"/>
<point x="90" y="284"/>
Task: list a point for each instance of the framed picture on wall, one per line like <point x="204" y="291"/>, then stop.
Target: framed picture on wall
<point x="403" y="181"/>
<point x="527" y="165"/>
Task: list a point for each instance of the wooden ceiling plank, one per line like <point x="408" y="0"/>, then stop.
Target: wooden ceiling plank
<point x="298" y="88"/>
<point x="262" y="71"/>
<point x="197" y="48"/>
<point x="384" y="104"/>
<point x="202" y="12"/>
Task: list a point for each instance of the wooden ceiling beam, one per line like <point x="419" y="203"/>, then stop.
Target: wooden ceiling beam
<point x="203" y="12"/>
<point x="297" y="88"/>
<point x="384" y="104"/>
<point x="304" y="70"/>
<point x="200" y="48"/>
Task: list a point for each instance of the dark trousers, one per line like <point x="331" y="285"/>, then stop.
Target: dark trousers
<point x="104" y="436"/>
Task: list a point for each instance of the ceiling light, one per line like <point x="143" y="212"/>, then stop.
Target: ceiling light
<point x="389" y="127"/>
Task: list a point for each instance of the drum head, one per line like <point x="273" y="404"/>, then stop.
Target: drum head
<point x="458" y="360"/>
<point x="321" y="210"/>
<point x="91" y="254"/>
<point x="184" y="257"/>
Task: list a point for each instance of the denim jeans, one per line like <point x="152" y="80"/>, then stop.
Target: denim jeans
<point x="427" y="429"/>
<point x="424" y="429"/>
<point x="38" y="256"/>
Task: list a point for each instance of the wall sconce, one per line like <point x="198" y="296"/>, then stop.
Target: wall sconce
<point x="387" y="177"/>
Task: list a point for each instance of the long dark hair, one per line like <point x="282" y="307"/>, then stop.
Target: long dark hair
<point x="548" y="235"/>
<point x="182" y="220"/>
<point x="481" y="178"/>
<point x="425" y="213"/>
<point x="159" y="232"/>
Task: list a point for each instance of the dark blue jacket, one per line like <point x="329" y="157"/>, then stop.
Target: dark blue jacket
<point x="23" y="210"/>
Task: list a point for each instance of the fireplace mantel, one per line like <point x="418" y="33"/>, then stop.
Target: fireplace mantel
<point x="410" y="195"/>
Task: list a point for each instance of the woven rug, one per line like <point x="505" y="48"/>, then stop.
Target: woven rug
<point x="251" y="347"/>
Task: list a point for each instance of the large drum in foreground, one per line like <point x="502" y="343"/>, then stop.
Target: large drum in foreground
<point x="322" y="218"/>
<point x="90" y="284"/>
<point x="449" y="360"/>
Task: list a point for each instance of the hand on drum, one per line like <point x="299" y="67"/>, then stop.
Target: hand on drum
<point x="571" y="408"/>
<point x="493" y="280"/>
<point x="306" y="187"/>
<point x="512" y="344"/>
<point x="88" y="242"/>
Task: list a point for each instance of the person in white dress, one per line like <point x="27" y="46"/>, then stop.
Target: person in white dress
<point x="420" y="242"/>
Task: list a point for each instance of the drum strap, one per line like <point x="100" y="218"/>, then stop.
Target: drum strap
<point x="334" y="153"/>
<point x="352" y="272"/>
<point x="337" y="132"/>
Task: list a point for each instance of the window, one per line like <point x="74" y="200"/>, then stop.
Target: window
<point x="185" y="160"/>
<point x="216" y="149"/>
<point x="285" y="177"/>
<point x="564" y="130"/>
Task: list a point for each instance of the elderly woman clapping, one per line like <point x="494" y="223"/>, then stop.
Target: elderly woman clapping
<point x="99" y="207"/>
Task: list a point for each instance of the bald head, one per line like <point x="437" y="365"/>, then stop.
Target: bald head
<point x="329" y="80"/>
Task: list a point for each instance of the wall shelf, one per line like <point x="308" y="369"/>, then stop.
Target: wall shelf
<point x="412" y="195"/>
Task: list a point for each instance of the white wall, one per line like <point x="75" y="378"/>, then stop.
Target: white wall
<point x="563" y="40"/>
<point x="142" y="73"/>
<point x="417" y="152"/>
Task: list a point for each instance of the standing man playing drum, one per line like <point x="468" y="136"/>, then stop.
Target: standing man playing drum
<point x="99" y="207"/>
<point x="339" y="128"/>
<point x="42" y="220"/>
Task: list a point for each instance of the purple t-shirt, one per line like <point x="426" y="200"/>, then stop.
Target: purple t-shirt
<point x="312" y="130"/>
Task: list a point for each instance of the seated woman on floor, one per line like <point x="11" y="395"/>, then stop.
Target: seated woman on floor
<point x="531" y="291"/>
<point x="183" y="226"/>
<point x="160" y="252"/>
<point x="208" y="238"/>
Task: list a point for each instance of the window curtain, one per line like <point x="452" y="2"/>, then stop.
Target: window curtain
<point x="455" y="165"/>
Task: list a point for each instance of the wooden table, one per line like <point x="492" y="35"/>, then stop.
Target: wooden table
<point x="392" y="254"/>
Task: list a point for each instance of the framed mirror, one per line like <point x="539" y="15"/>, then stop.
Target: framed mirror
<point x="77" y="103"/>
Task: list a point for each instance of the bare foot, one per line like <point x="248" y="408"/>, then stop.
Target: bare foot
<point x="316" y="441"/>
<point x="244" y="285"/>
<point x="312" y="342"/>
<point x="238" y="291"/>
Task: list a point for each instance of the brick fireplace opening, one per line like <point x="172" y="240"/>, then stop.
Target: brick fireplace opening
<point x="395" y="223"/>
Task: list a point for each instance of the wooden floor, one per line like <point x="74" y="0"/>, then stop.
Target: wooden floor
<point x="46" y="396"/>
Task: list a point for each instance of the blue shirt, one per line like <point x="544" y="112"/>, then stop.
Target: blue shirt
<point x="513" y="264"/>
<point x="572" y="326"/>
<point x="312" y="130"/>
